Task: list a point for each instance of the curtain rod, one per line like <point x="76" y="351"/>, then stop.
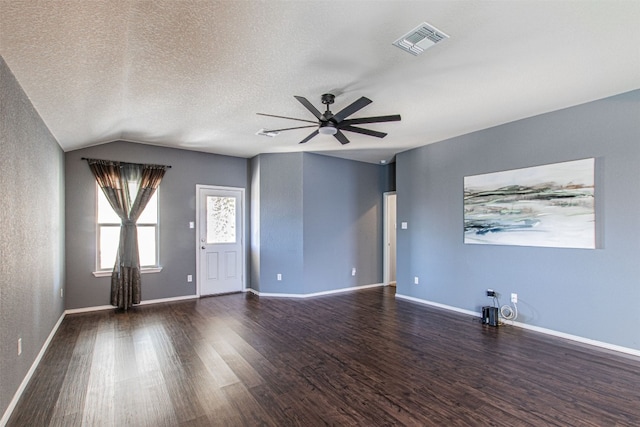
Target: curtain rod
<point x="126" y="163"/>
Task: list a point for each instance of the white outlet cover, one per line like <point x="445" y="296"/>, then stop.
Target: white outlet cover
<point x="404" y="225"/>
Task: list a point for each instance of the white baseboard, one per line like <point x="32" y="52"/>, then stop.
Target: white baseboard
<point x="27" y="378"/>
<point x="437" y="304"/>
<point x="88" y="309"/>
<point x="546" y="331"/>
<point x="36" y="362"/>
<point x="146" y="302"/>
<point x="577" y="338"/>
<point x="172" y="299"/>
<point x="315" y="294"/>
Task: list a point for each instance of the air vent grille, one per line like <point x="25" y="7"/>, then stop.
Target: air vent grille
<point x="420" y="39"/>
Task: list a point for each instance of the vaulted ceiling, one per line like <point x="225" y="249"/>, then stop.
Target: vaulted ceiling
<point x="193" y="74"/>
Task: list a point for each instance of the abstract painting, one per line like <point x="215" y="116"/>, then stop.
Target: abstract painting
<point x="549" y="205"/>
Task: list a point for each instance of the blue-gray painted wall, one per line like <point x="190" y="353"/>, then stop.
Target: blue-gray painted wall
<point x="177" y="198"/>
<point x="593" y="294"/>
<point x="319" y="217"/>
<point x="31" y="234"/>
<point x="280" y="226"/>
<point x="342" y="223"/>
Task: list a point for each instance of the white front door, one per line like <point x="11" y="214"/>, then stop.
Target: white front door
<point x="220" y="240"/>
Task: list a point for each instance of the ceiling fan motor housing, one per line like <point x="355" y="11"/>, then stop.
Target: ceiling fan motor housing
<point x="328" y="98"/>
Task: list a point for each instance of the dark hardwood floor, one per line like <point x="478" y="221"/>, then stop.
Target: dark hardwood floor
<point x="360" y="358"/>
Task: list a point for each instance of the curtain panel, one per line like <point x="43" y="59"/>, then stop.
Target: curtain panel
<point x="114" y="178"/>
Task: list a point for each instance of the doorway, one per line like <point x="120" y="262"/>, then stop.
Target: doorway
<point x="390" y="226"/>
<point x="220" y="240"/>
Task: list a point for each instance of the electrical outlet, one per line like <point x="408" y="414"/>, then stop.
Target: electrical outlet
<point x="416" y="281"/>
<point x="189" y="278"/>
<point x="353" y="271"/>
<point x="19" y="346"/>
<point x="279" y="277"/>
<point x="514" y="298"/>
<point x="491" y="293"/>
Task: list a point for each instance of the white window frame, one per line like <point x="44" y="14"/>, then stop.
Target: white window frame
<point x="106" y="272"/>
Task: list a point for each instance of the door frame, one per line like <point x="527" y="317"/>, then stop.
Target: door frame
<point x="386" y="228"/>
<point x="243" y="238"/>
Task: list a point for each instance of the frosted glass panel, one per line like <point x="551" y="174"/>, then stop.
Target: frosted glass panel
<point x="221" y="219"/>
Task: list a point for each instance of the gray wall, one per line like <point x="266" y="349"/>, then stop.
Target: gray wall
<point x="587" y="293"/>
<point x="342" y="222"/>
<point x="177" y="209"/>
<point x="319" y="216"/>
<point x="31" y="236"/>
<point x="280" y="225"/>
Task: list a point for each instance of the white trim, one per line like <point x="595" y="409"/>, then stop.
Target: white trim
<point x="88" y="309"/>
<point x="145" y="302"/>
<point x="27" y="378"/>
<point x="45" y="346"/>
<point x="243" y="196"/>
<point x="146" y="270"/>
<point x="546" y="331"/>
<point x="386" y="252"/>
<point x="315" y="294"/>
<point x="436" y="304"/>
<point x="171" y="299"/>
<point x="577" y="338"/>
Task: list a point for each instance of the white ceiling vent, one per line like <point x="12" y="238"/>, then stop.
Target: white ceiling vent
<point x="420" y="39"/>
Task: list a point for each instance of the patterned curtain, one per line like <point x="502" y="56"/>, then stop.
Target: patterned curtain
<point x="114" y="178"/>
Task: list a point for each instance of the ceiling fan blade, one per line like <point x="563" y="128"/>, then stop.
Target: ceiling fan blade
<point x="309" y="107"/>
<point x="314" y="133"/>
<point x="297" y="127"/>
<point x="379" y="119"/>
<point x="340" y="137"/>
<point x="363" y="131"/>
<point x="283" y="117"/>
<point x="349" y="110"/>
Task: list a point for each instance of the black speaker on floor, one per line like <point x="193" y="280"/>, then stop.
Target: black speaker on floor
<point x="490" y="316"/>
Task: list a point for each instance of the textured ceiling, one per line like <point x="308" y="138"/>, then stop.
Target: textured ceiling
<point x="192" y="74"/>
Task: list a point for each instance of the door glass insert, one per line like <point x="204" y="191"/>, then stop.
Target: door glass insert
<point x="221" y="219"/>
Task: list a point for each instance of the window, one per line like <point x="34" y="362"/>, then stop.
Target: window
<point x="109" y="233"/>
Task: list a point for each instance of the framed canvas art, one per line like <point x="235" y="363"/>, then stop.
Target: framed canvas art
<point x="550" y="205"/>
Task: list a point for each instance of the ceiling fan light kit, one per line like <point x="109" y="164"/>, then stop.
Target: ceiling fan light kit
<point x="327" y="129"/>
<point x="333" y="124"/>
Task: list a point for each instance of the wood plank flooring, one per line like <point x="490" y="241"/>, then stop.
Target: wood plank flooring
<point x="361" y="358"/>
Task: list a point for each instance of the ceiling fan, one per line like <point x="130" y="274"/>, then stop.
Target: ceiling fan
<point x="333" y="124"/>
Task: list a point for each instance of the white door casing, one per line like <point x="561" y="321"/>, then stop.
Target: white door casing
<point x="389" y="224"/>
<point x="220" y="240"/>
